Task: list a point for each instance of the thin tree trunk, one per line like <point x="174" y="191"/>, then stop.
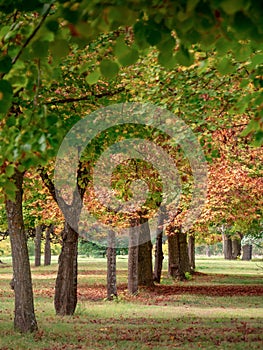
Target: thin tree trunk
<point x="178" y="263"/>
<point x="25" y="320"/>
<point x="227" y="246"/>
<point x="158" y="262"/>
<point x="133" y="261"/>
<point x="111" y="266"/>
<point x="191" y="250"/>
<point x="47" y="254"/>
<point x="236" y="244"/>
<point x="145" y="268"/>
<point x="247" y="252"/>
<point x="208" y="250"/>
<point x="66" y="282"/>
<point x="38" y="231"/>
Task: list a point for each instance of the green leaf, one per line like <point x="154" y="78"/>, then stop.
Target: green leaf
<point x="256" y="60"/>
<point x="59" y="49"/>
<point x="10" y="190"/>
<point x="184" y="57"/>
<point x="109" y="69"/>
<point x="232" y="6"/>
<point x="242" y="53"/>
<point x="10" y="170"/>
<point x="6" y="94"/>
<point x="153" y="33"/>
<point x="40" y="49"/>
<point x="5" y="64"/>
<point x="223" y="45"/>
<point x="167" y="60"/>
<point x="225" y="66"/>
<point x="125" y="54"/>
<point x="52" y="25"/>
<point x="93" y="77"/>
<point x="139" y="30"/>
<point x="252" y="126"/>
<point x="243" y="25"/>
<point x="167" y="45"/>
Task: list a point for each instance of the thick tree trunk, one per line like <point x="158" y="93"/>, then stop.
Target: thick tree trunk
<point x="25" y="320"/>
<point x="38" y="231"/>
<point x="178" y="263"/>
<point x="191" y="251"/>
<point x="227" y="246"/>
<point x="47" y="254"/>
<point x="111" y="267"/>
<point x="133" y="261"/>
<point x="158" y="262"/>
<point x="66" y="282"/>
<point x="145" y="268"/>
<point x="247" y="252"/>
<point x="236" y="245"/>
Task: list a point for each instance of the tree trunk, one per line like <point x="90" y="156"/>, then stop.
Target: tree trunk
<point x="236" y="244"/>
<point x="66" y="282"/>
<point x="227" y="246"/>
<point x="247" y="252"/>
<point x="38" y="231"/>
<point x="145" y="269"/>
<point x="158" y="262"/>
<point x="111" y="267"/>
<point x="191" y="250"/>
<point x="178" y="263"/>
<point x="25" y="320"/>
<point x="47" y="254"/>
<point x="133" y="261"/>
<point x="208" y="250"/>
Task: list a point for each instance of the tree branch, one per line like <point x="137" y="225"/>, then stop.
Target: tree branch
<point x="48" y="182"/>
<point x="85" y="98"/>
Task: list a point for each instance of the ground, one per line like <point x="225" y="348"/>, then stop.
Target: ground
<point x="220" y="307"/>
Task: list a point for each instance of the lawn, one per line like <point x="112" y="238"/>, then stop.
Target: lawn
<point x="220" y="307"/>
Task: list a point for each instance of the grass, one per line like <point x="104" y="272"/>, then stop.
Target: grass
<point x="175" y="317"/>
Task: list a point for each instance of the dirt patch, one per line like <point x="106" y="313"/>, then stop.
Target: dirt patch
<point x="99" y="291"/>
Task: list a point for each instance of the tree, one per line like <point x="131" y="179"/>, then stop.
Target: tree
<point x="25" y="320"/>
<point x="158" y="261"/>
<point x="191" y="250"/>
<point x="38" y="231"/>
<point x="111" y="266"/>
<point x="178" y="263"/>
<point x="47" y="251"/>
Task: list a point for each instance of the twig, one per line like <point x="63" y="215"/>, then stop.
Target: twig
<point x="31" y="36"/>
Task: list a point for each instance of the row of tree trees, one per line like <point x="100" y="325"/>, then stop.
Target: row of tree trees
<point x="45" y="86"/>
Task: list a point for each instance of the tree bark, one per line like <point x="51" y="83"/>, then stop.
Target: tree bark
<point x="66" y="282"/>
<point x="25" y="320"/>
<point x="236" y="245"/>
<point x="178" y="259"/>
<point x="133" y="261"/>
<point x="227" y="246"/>
<point x="38" y="231"/>
<point x="191" y="250"/>
<point x="145" y="269"/>
<point x="111" y="267"/>
<point x="47" y="254"/>
<point x="158" y="262"/>
<point x="247" y="252"/>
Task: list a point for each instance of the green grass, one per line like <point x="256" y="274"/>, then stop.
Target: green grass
<point x="150" y="320"/>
